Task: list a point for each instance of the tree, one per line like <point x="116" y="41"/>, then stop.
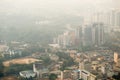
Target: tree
<point x="46" y="60"/>
<point x="116" y="77"/>
<point x="52" y="77"/>
<point x="1" y="69"/>
<point x="16" y="68"/>
<point x="67" y="60"/>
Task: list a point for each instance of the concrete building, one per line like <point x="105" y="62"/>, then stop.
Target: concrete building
<point x="27" y="74"/>
<point x="76" y="74"/>
<point x="79" y="35"/>
<point x="115" y="57"/>
<point x="81" y="66"/>
<point x="95" y="65"/>
<point x="85" y="75"/>
<point x="66" y="74"/>
<point x="118" y="63"/>
<point x="118" y="19"/>
<point x="40" y="70"/>
<point x="88" y="35"/>
<point x="98" y="35"/>
<point x="94" y="34"/>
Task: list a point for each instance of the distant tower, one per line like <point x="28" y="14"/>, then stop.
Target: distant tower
<point x="88" y="35"/>
<point x="118" y="19"/>
<point x="98" y="34"/>
<point x="115" y="57"/>
<point x="79" y="35"/>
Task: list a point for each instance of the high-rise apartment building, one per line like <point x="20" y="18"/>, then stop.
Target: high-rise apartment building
<point x="88" y="35"/>
<point x="94" y="34"/>
<point x="98" y="34"/>
<point x="79" y="35"/>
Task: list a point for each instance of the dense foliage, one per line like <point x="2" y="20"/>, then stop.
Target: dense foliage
<point x="52" y="77"/>
<point x="1" y="69"/>
<point x="16" y="68"/>
<point x="67" y="60"/>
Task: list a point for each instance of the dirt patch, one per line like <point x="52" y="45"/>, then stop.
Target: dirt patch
<point x="20" y="61"/>
<point x="9" y="78"/>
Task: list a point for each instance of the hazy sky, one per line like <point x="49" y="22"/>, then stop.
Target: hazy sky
<point x="53" y="6"/>
<point x="18" y="16"/>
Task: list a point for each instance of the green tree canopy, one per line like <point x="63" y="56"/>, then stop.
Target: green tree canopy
<point x="52" y="77"/>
